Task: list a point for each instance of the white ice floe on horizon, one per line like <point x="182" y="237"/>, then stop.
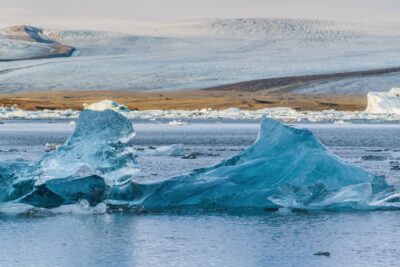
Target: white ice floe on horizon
<point x="106" y="104"/>
<point x="283" y="114"/>
<point x="384" y="102"/>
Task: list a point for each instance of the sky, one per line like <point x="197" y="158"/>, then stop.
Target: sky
<point x="108" y="14"/>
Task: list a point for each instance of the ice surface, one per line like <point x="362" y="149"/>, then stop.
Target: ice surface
<point x="384" y="102"/>
<point x="285" y="167"/>
<point x="206" y="53"/>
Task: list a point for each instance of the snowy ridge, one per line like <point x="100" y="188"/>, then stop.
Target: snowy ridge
<point x="261" y="28"/>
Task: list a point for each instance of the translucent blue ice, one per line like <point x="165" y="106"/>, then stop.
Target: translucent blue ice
<point x="93" y="158"/>
<point x="98" y="146"/>
<point x="285" y="167"/>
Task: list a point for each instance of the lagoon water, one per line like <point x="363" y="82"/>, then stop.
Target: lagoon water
<point x="202" y="238"/>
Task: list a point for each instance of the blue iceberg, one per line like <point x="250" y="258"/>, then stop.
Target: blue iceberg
<point x="98" y="146"/>
<point x="95" y="157"/>
<point x="285" y="167"/>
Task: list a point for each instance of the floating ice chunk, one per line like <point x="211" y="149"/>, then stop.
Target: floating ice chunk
<point x="175" y="150"/>
<point x="21" y="209"/>
<point x="177" y="123"/>
<point x="50" y="147"/>
<point x="384" y="103"/>
<point x="106" y="104"/>
<point x="96" y="147"/>
<point x="285" y="167"/>
<point x="81" y="208"/>
<point x="341" y="122"/>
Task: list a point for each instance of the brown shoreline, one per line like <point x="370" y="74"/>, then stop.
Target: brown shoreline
<point x="186" y="100"/>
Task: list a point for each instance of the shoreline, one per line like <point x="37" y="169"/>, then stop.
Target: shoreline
<point x="185" y="100"/>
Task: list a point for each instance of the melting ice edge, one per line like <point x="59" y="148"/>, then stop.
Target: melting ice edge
<point x="285" y="167"/>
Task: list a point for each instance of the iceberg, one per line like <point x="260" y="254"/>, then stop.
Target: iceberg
<point x="98" y="146"/>
<point x="384" y="102"/>
<point x="285" y="167"/>
<point x="96" y="167"/>
<point x="106" y="104"/>
<point x="95" y="157"/>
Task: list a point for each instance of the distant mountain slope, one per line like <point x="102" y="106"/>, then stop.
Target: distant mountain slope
<point x="203" y="53"/>
<point x="25" y="42"/>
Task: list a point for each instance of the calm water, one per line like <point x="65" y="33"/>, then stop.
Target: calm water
<point x="206" y="239"/>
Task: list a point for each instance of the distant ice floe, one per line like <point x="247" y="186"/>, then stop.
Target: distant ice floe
<point x="106" y="104"/>
<point x="180" y="117"/>
<point x="96" y="170"/>
<point x="384" y="102"/>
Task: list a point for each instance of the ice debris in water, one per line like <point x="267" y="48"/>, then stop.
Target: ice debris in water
<point x="175" y="150"/>
<point x="106" y="104"/>
<point x="284" y="168"/>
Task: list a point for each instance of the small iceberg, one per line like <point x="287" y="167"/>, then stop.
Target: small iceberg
<point x="384" y="102"/>
<point x="285" y="168"/>
<point x="98" y="146"/>
<point x="106" y="104"/>
<point x="95" y="157"/>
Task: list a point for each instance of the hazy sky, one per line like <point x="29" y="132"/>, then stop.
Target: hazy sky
<point x="103" y="13"/>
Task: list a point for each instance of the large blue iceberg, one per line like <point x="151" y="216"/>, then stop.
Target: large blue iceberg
<point x="285" y="167"/>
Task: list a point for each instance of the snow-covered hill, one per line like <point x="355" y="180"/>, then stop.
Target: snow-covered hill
<point x="205" y="53"/>
<point x="25" y="42"/>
